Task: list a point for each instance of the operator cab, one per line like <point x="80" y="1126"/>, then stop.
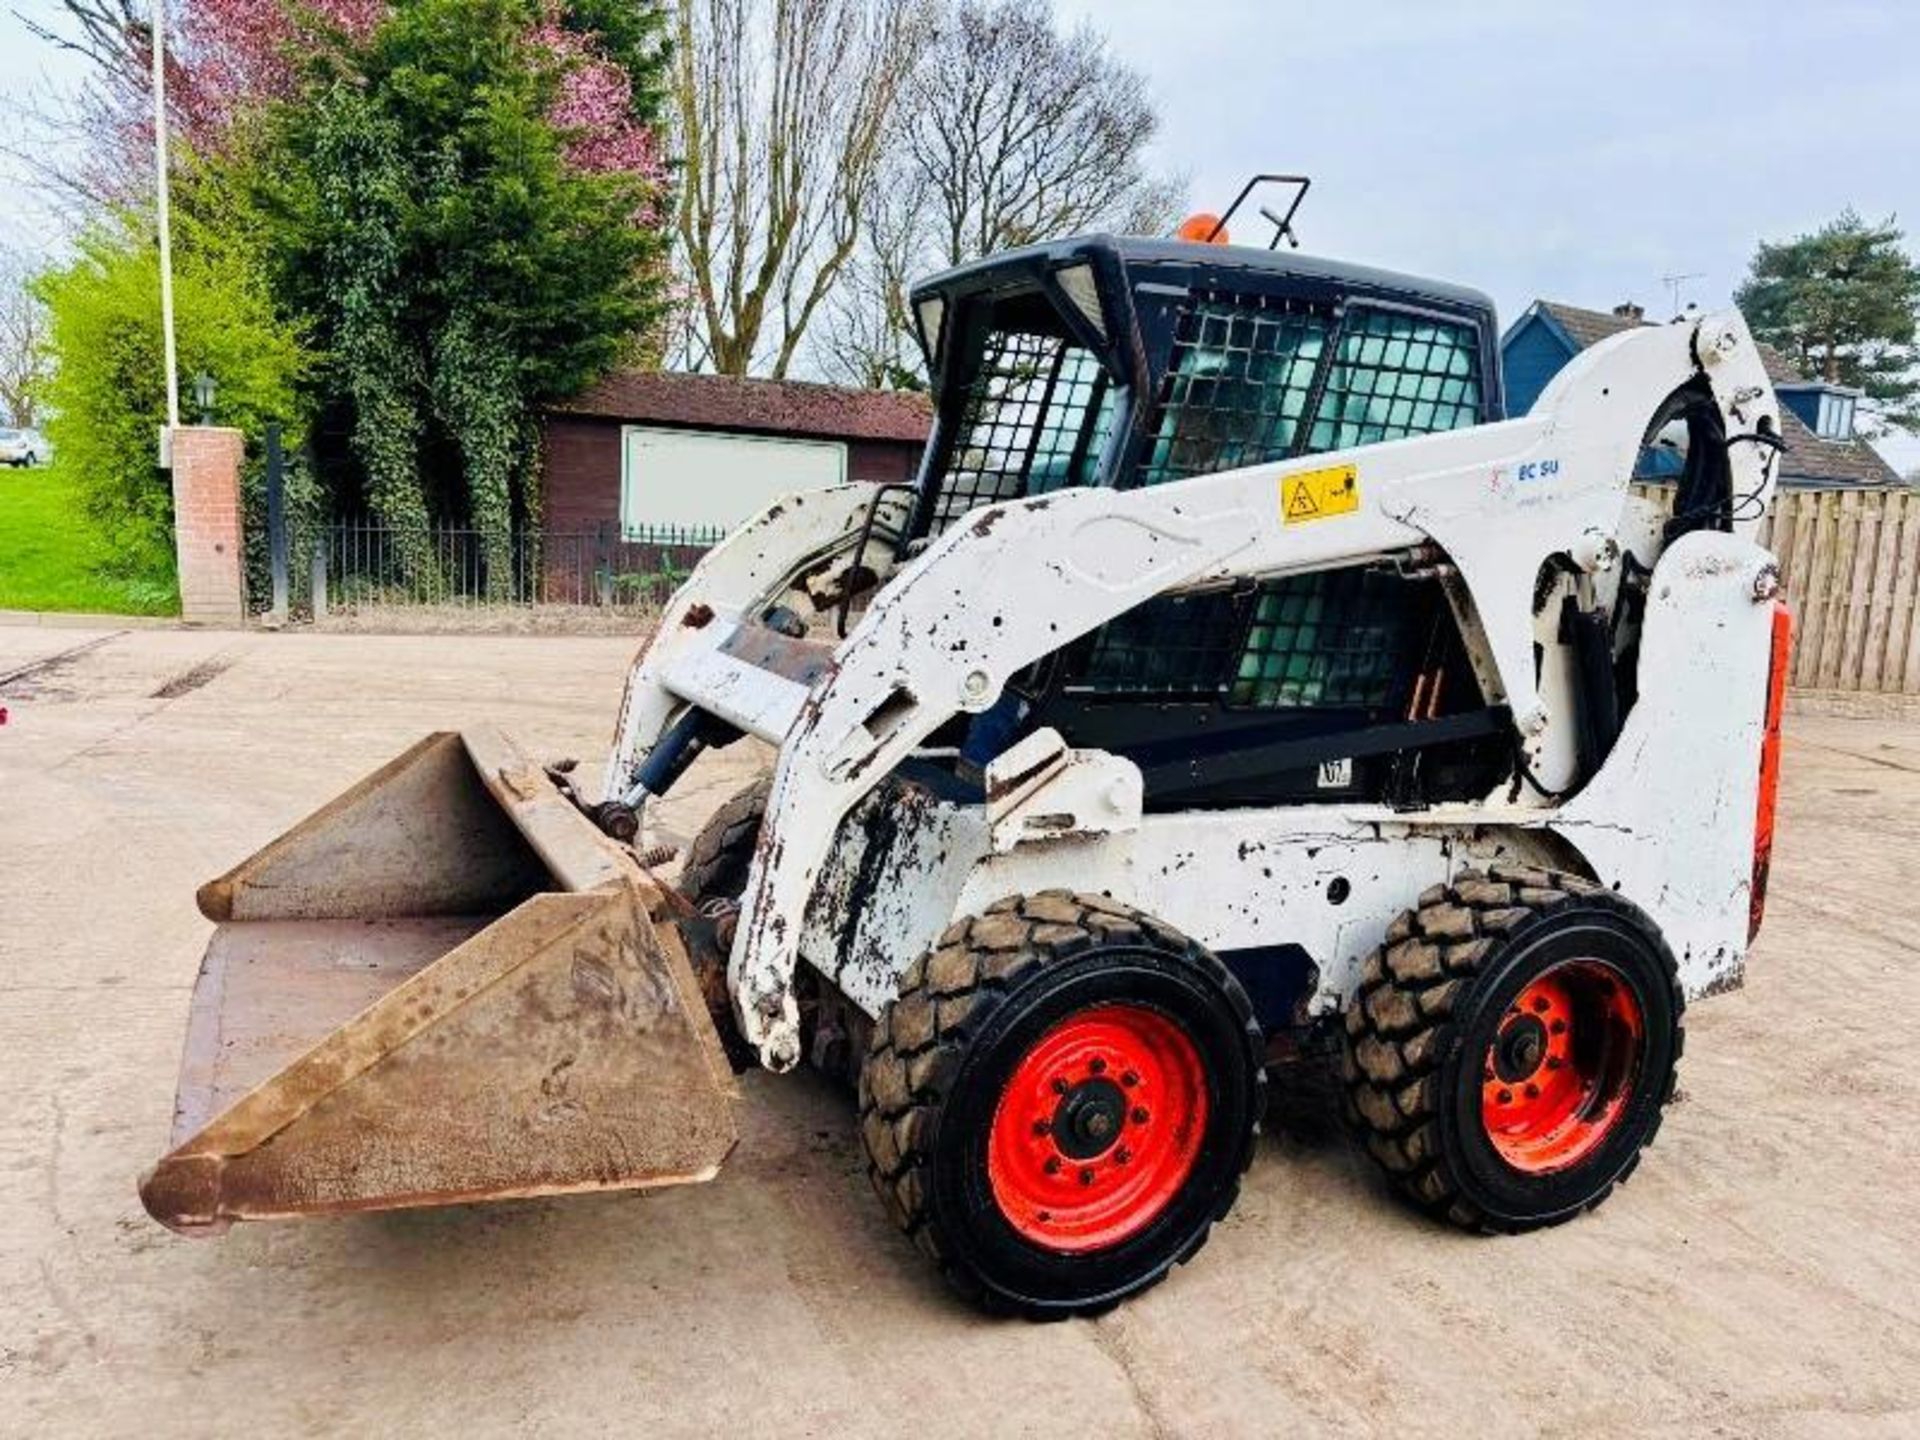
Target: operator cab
<point x="1104" y="360"/>
<point x="1120" y="361"/>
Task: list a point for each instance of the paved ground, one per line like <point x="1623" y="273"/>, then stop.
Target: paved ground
<point x="1759" y="1276"/>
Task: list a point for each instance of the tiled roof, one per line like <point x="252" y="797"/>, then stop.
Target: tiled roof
<point x="1587" y="327"/>
<point x="1809" y="459"/>
<point x="777" y="407"/>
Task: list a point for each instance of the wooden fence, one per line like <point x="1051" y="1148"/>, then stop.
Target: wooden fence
<point x="1850" y="564"/>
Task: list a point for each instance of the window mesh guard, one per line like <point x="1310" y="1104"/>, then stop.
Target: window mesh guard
<point x="1172" y="647"/>
<point x="1034" y="420"/>
<point x="1237" y="386"/>
<point x="1335" y="639"/>
<point x="1397" y="375"/>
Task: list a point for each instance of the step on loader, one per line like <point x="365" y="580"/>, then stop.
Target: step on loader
<point x="1238" y="688"/>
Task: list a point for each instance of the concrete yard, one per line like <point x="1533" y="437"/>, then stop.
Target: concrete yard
<point x="1760" y="1275"/>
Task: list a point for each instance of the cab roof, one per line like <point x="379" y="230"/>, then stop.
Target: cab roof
<point x="1206" y="266"/>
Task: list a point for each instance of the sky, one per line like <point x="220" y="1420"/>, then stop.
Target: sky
<point x="1533" y="149"/>
<point x="1573" y="151"/>
<point x="30" y="72"/>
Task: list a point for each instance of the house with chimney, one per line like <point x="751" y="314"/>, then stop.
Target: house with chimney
<point x="1816" y="416"/>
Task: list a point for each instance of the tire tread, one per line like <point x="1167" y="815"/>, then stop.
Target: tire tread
<point x="971" y="970"/>
<point x="1398" y="1026"/>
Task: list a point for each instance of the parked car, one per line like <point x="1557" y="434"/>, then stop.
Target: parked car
<point x="22" y="447"/>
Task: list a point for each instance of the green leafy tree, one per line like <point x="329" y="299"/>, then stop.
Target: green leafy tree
<point x="1843" y="302"/>
<point x="462" y="269"/>
<point x="106" y="395"/>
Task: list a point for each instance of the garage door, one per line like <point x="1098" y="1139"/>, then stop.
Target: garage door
<point x="674" y="481"/>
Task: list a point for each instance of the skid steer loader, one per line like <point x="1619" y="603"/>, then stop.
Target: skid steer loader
<point x="1234" y="685"/>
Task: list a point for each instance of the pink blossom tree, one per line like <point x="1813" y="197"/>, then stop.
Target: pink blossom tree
<point x="235" y="55"/>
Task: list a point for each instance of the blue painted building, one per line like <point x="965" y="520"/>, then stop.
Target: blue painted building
<point x="1816" y="419"/>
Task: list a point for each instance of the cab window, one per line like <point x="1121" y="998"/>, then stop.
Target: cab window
<point x="1237" y="386"/>
<point x="1396" y="375"/>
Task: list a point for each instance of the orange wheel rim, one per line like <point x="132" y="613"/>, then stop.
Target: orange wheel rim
<point x="1558" y="1073"/>
<point x="1097" y="1129"/>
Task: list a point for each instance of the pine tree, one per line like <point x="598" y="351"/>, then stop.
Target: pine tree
<point x="1843" y="302"/>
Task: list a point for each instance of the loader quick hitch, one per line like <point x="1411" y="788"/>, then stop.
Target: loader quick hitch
<point x="692" y="733"/>
<point x="621" y="822"/>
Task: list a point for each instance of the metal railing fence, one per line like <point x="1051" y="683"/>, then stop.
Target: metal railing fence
<point x="364" y="563"/>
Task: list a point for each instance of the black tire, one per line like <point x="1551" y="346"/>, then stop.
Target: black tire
<point x="722" y="853"/>
<point x="1420" y="1037"/>
<point x="968" y="1013"/>
<point x="716" y="870"/>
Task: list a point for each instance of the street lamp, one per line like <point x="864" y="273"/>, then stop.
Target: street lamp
<point x="203" y="391"/>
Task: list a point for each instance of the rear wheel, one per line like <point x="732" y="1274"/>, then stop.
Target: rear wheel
<point x="1060" y="1102"/>
<point x="1511" y="1047"/>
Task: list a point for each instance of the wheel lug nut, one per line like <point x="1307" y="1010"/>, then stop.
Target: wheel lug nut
<point x="1130" y="1079"/>
<point x="1533" y="1092"/>
<point x="1553" y="1062"/>
<point x="1052" y="1167"/>
<point x="1059" y="1086"/>
<point x="1041" y="1127"/>
<point x="1540" y="1004"/>
<point x="1558" y="1027"/>
<point x="1139" y="1116"/>
<point x="1122" y="1156"/>
<point x="1097" y="1065"/>
<point x="1086" y="1175"/>
<point x="1506" y="1097"/>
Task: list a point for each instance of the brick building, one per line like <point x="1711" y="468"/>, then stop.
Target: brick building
<point x="653" y="455"/>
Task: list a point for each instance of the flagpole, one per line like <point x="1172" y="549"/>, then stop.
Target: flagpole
<point x="166" y="236"/>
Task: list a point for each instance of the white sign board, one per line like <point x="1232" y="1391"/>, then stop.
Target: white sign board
<point x="673" y="480"/>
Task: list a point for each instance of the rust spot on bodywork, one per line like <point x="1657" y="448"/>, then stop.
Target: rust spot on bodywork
<point x="1001" y="786"/>
<point x="802" y="661"/>
<point x="1725" y="981"/>
<point x="698" y="617"/>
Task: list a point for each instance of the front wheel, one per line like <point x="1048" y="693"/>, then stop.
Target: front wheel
<point x="1512" y="1046"/>
<point x="1060" y="1102"/>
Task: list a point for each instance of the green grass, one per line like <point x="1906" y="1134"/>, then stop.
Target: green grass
<point x="51" y="558"/>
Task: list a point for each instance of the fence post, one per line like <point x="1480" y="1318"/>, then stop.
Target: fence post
<point x="277" y="521"/>
<point x="320" y="575"/>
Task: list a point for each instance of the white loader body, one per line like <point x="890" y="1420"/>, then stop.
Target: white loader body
<point x="1668" y="818"/>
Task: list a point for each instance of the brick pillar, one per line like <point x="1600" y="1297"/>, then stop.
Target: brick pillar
<point x="206" y="525"/>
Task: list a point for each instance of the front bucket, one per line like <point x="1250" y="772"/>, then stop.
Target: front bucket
<point x="447" y="985"/>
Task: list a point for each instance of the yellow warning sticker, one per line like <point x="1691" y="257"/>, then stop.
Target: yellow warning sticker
<point x="1318" y="494"/>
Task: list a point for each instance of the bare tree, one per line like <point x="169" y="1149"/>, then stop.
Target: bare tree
<point x="23" y="323"/>
<point x="866" y="339"/>
<point x="1011" y="131"/>
<point x="785" y="111"/>
<point x="110" y="33"/>
<point x="1024" y="133"/>
<point x="86" y="145"/>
